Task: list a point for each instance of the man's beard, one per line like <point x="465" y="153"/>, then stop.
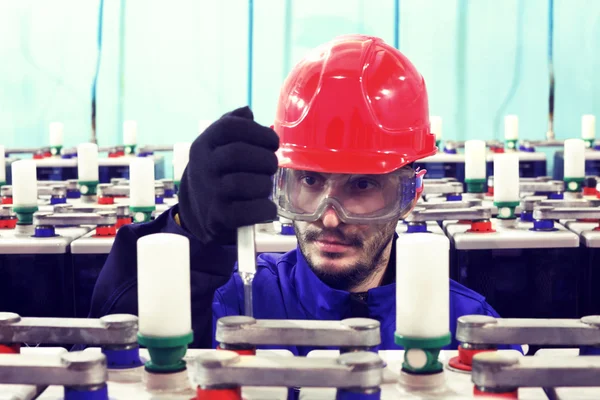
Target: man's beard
<point x="352" y="275"/>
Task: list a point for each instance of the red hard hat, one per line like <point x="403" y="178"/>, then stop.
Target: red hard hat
<point x="353" y="105"/>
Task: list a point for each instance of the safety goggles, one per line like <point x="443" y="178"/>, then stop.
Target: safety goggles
<point x="356" y="198"/>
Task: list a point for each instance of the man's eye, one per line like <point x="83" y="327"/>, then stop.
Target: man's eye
<point x="309" y="180"/>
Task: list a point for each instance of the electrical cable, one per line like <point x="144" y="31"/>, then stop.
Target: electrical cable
<point x="95" y="82"/>
<point x="550" y="133"/>
<point x="250" y="49"/>
<point x="516" y="73"/>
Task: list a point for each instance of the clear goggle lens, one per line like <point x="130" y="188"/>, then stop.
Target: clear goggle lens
<point x="356" y="198"/>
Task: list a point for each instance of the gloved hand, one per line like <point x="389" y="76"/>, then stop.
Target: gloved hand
<point x="227" y="181"/>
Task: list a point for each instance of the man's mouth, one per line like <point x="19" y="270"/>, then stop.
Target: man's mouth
<point x="332" y="245"/>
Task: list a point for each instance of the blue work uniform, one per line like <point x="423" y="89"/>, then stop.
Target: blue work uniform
<point x="284" y="288"/>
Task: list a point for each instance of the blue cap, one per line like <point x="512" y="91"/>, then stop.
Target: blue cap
<point x="80" y="393"/>
<point x="57" y="200"/>
<point x="543" y="225"/>
<point x="44" y="231"/>
<point x="287" y="229"/>
<point x="419" y="228"/>
<point x="454" y="197"/>
<point x="556" y="196"/>
<point x="121" y="359"/>
<point x="527" y="216"/>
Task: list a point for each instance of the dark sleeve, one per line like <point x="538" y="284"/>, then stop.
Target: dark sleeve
<point x="116" y="288"/>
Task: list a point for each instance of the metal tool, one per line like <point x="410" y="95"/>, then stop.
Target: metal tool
<point x="246" y="248"/>
<point x="226" y="368"/>
<point x="352" y="333"/>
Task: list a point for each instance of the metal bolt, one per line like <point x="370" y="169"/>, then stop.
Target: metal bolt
<point x="8" y="318"/>
<point x="361" y="324"/>
<point x="217" y="359"/>
<point x="476" y="320"/>
<point x="495" y="359"/>
<point x="361" y="360"/>
<point x="82" y="360"/>
<point x="235" y="322"/>
<point x="119" y="321"/>
<point x="593" y="320"/>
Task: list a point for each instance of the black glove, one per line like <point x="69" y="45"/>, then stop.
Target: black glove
<point x="227" y="182"/>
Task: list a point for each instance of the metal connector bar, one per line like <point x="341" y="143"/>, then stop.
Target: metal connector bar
<point x="451" y="205"/>
<point x="543" y="187"/>
<point x="547" y="212"/>
<point x="470" y="214"/>
<point x="69" y="369"/>
<point x="116" y="329"/>
<point x="352" y="332"/>
<point x="350" y="370"/>
<point x="442" y="188"/>
<point x="438" y="181"/>
<point x="482" y="329"/>
<point x="23" y="150"/>
<point x="122" y="210"/>
<point x="62" y="219"/>
<point x="154" y="148"/>
<point x="530" y="202"/>
<point x="576" y="203"/>
<point x="498" y="370"/>
<point x="544" y="143"/>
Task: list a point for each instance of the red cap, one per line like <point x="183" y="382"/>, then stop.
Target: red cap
<point x="219" y="394"/>
<point x="354" y="105"/>
<point x="8" y="223"/>
<point x="106" y="230"/>
<point x="10" y="348"/>
<point x="106" y="200"/>
<point x="124" y="221"/>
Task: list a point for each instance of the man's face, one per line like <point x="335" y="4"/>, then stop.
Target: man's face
<point x="343" y="255"/>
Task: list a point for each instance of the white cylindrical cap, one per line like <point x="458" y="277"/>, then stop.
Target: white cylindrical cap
<point x="24" y="183"/>
<point x="163" y="285"/>
<point x="436" y="126"/>
<point x="588" y="127"/>
<point x="422" y="285"/>
<point x="506" y="177"/>
<point x="141" y="182"/>
<point x="511" y="127"/>
<point x="56" y="133"/>
<point x="181" y="157"/>
<point x="87" y="162"/>
<point x="203" y="124"/>
<point x="130" y="133"/>
<point x="574" y="158"/>
<point x="2" y="164"/>
<point x="475" y="159"/>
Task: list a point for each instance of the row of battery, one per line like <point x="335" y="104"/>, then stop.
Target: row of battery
<point x="528" y="267"/>
<point x="450" y="162"/>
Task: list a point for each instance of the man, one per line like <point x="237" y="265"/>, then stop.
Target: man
<point x="352" y="117"/>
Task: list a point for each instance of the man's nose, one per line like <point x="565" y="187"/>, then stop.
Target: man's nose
<point x="330" y="218"/>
